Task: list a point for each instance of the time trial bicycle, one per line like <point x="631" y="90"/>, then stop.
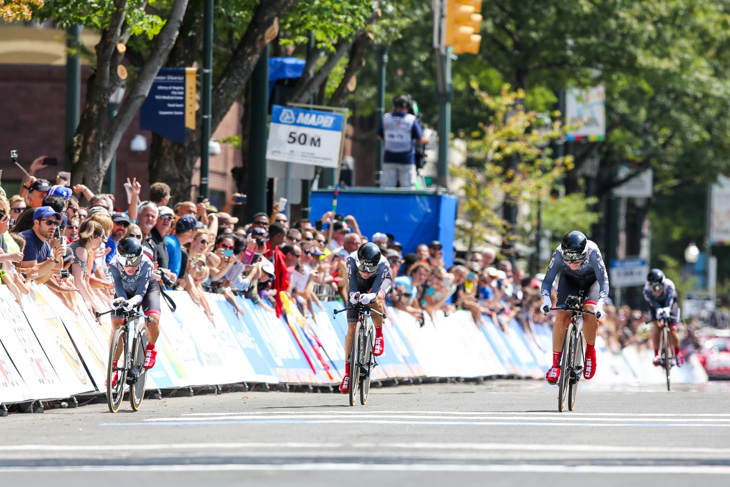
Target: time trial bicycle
<point x="129" y="343"/>
<point x="361" y="359"/>
<point x="572" y="357"/>
<point x="667" y="358"/>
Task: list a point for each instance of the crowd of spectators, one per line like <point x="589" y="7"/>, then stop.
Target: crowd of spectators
<point x="64" y="237"/>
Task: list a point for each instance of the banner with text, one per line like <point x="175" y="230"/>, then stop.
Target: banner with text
<point x="170" y="105"/>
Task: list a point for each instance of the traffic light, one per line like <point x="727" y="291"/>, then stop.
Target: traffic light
<point x="462" y="25"/>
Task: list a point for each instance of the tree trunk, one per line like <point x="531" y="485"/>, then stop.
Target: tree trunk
<point x="174" y="163"/>
<point x="96" y="140"/>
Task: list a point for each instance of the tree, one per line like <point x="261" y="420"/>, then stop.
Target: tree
<point x="96" y="140"/>
<point x="17" y="10"/>
<point x="486" y="182"/>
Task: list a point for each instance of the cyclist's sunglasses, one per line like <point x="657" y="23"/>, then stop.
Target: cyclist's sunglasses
<point x="657" y="287"/>
<point x="573" y="257"/>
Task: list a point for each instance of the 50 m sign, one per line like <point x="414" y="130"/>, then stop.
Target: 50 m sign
<point x="304" y="136"/>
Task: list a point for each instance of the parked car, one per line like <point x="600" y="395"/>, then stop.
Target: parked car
<point x="715" y="358"/>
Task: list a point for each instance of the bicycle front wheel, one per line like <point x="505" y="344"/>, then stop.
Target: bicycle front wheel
<point x="565" y="368"/>
<point x="578" y="362"/>
<point x="115" y="390"/>
<point x="367" y="355"/>
<point x="355" y="361"/>
<point x="667" y="355"/>
<point x="136" y="390"/>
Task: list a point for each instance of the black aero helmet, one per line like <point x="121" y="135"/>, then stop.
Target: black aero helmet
<point x="655" y="277"/>
<point x="129" y="251"/>
<point x="368" y="257"/>
<point x="574" y="246"/>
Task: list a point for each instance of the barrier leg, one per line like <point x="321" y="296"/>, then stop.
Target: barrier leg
<point x="72" y="402"/>
<point x="3" y="410"/>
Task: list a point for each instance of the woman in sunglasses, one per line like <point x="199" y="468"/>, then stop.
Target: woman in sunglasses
<point x="661" y="294"/>
<point x="582" y="271"/>
<point x="91" y="238"/>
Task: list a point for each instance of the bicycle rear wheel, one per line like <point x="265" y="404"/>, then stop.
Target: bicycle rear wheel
<point x="367" y="355"/>
<point x="667" y="354"/>
<point x="355" y="360"/>
<point x="136" y="390"/>
<point x="565" y="366"/>
<point x="115" y="392"/>
<point x="578" y="361"/>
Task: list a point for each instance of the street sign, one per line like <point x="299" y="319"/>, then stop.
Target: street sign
<point x="697" y="304"/>
<point x="628" y="272"/>
<point x="304" y="136"/>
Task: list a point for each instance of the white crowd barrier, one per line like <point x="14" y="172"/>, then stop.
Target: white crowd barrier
<point x="51" y="352"/>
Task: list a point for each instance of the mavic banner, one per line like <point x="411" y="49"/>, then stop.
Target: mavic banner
<point x="304" y="136"/>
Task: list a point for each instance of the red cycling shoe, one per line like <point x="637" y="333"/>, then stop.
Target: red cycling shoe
<point x="115" y="377"/>
<point x="657" y="360"/>
<point x="150" y="356"/>
<point x="345" y="385"/>
<point x="589" y="370"/>
<point x="553" y="375"/>
<point x="379" y="346"/>
<point x="680" y="359"/>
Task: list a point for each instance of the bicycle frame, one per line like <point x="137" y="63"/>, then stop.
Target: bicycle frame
<point x="572" y="357"/>
<point x="361" y="357"/>
<point x="666" y="350"/>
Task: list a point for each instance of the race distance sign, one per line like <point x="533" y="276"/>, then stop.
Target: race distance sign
<point x="304" y="136"/>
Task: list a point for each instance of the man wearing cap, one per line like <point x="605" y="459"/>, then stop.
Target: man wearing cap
<point x="158" y="234"/>
<point x="121" y="223"/>
<point x="37" y="190"/>
<point x="184" y="234"/>
<point x="435" y="253"/>
<point x="37" y="248"/>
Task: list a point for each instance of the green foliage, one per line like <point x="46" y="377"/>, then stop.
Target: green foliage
<point x="510" y="133"/>
<point x="329" y="20"/>
<point x="96" y="14"/>
<point x="571" y="212"/>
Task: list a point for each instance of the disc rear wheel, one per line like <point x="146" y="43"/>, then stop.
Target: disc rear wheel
<point x="136" y="390"/>
<point x="565" y="365"/>
<point x="355" y="360"/>
<point x="115" y="390"/>
<point x="367" y="356"/>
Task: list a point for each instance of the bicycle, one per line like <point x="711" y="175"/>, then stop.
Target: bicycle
<point x="361" y="360"/>
<point x="667" y="359"/>
<point x="129" y="369"/>
<point x="572" y="357"/>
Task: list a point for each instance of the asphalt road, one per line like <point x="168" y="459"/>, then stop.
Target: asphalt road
<point x="500" y="433"/>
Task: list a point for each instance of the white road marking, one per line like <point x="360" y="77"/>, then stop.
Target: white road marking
<point x="411" y="416"/>
<point x="469" y="413"/>
<point x="340" y="446"/>
<point x="368" y="467"/>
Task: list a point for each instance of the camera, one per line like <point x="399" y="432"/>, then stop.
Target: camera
<point x="339" y="217"/>
<point x="260" y="242"/>
<point x="65" y="273"/>
<point x="50" y="161"/>
<point x="240" y="199"/>
<point x="14" y="155"/>
<point x="201" y="198"/>
<point x="166" y="280"/>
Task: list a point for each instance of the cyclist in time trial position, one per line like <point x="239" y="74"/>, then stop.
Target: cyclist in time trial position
<point x="135" y="284"/>
<point x="370" y="282"/>
<point x="581" y="268"/>
<point x="661" y="294"/>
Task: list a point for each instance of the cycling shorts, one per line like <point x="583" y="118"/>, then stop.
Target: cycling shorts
<point x="570" y="287"/>
<point x="151" y="300"/>
<point x="385" y="287"/>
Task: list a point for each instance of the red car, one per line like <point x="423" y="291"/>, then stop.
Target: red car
<point x="715" y="358"/>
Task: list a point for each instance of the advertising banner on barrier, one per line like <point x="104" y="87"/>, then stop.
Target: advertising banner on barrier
<point x="57" y="344"/>
<point x="12" y="387"/>
<point x="287" y="361"/>
<point x="26" y="353"/>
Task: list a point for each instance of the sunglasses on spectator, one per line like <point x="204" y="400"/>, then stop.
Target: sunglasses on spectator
<point x="54" y="223"/>
<point x="260" y="222"/>
<point x="308" y="239"/>
<point x="166" y="217"/>
<point x="122" y="224"/>
<point x="298" y="255"/>
<point x="204" y="242"/>
<point x="281" y="221"/>
<point x="294" y="239"/>
<point x="136" y="235"/>
<point x="225" y="246"/>
<point x="320" y="241"/>
<point x="18" y="210"/>
<point x="394" y="261"/>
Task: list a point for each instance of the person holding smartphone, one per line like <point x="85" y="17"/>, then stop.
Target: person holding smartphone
<point x="230" y="248"/>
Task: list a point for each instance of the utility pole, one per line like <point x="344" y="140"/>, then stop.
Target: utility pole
<point x="258" y="111"/>
<point x="380" y="111"/>
<point x="73" y="82"/>
<point x="206" y="95"/>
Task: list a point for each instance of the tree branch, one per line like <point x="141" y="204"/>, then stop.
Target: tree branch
<point x="355" y="64"/>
